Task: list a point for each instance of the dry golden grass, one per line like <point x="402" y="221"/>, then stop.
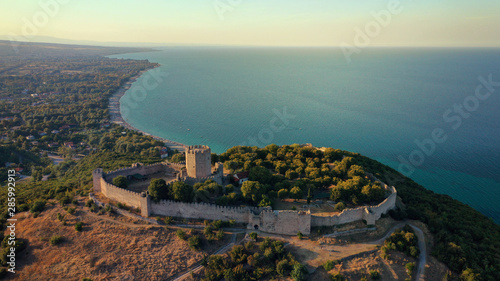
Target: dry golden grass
<point x="107" y="249"/>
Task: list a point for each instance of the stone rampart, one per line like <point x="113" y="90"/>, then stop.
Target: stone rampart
<point x="282" y="222"/>
<point x="369" y="213"/>
<point x="203" y="211"/>
<point x="137" y="168"/>
<point x="127" y="197"/>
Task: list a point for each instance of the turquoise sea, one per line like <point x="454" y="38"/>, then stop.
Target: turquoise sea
<point x="401" y="105"/>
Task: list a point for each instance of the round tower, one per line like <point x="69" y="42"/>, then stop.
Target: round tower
<point x="198" y="161"/>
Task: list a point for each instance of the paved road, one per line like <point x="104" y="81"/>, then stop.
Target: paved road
<point x="423" y="252"/>
<point x="422" y="260"/>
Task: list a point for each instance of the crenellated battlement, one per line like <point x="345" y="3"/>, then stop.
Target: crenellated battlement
<point x="287" y="222"/>
<point x="198" y="149"/>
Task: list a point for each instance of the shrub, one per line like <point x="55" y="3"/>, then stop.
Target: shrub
<point x="194" y="242"/>
<point x="74" y="202"/>
<point x="64" y="200"/>
<point x="79" y="226"/>
<point x="207" y="231"/>
<point x="300" y="235"/>
<point x="60" y="217"/>
<point x="181" y="234"/>
<point x="220" y="234"/>
<point x="168" y="220"/>
<point x="329" y="265"/>
<point x="340" y="206"/>
<point x="120" y="181"/>
<point x="337" y="277"/>
<point x="38" y="206"/>
<point x="253" y="235"/>
<point x="375" y="274"/>
<point x="71" y="210"/>
<point x="89" y="203"/>
<point x="409" y="268"/>
<point x="299" y="272"/>
<point x="108" y="209"/>
<point x="283" y="267"/>
<point x="56" y="239"/>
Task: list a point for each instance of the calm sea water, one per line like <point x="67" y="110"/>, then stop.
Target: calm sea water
<point x="381" y="105"/>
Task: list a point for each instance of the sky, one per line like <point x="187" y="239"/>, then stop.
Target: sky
<point x="257" y="22"/>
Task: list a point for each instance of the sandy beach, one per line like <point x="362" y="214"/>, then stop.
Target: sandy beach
<point x="115" y="115"/>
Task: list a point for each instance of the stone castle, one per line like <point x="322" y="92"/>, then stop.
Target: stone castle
<point x="198" y="168"/>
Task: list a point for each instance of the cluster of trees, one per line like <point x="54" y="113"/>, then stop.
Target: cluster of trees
<point x="465" y="240"/>
<point x="403" y="240"/>
<point x="295" y="171"/>
<point x="254" y="261"/>
<point x="357" y="188"/>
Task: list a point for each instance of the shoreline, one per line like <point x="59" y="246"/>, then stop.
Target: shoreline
<point x="116" y="117"/>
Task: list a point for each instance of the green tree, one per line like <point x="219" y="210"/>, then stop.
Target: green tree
<point x="282" y="193"/>
<point x="181" y="234"/>
<point x="283" y="267"/>
<point x="253" y="235"/>
<point x="194" y="242"/>
<point x="296" y="192"/>
<point x="79" y="226"/>
<point x="469" y="275"/>
<point x="158" y="189"/>
<point x="182" y="191"/>
<point x="260" y="174"/>
<point x="337" y="277"/>
<point x="340" y="206"/>
<point x="299" y="272"/>
<point x="120" y="181"/>
<point x="409" y="268"/>
<point x="356" y="171"/>
<point x="252" y="190"/>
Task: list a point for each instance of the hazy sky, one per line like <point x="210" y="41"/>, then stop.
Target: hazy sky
<point x="256" y="22"/>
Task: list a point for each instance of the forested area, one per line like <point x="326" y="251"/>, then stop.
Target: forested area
<point x="48" y="101"/>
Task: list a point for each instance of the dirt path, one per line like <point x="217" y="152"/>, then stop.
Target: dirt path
<point x="306" y="249"/>
<point x="196" y="268"/>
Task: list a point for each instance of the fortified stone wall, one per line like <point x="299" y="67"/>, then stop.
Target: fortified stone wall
<point x="283" y="222"/>
<point x="138" y="168"/>
<point x="121" y="195"/>
<point x="203" y="211"/>
<point x="370" y="213"/>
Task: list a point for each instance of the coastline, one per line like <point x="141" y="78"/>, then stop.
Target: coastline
<point x="116" y="117"/>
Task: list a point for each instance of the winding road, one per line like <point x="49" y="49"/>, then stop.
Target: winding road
<point x="422" y="259"/>
<point x="197" y="268"/>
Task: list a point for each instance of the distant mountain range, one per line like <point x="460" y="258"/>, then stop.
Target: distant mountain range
<point x="55" y="40"/>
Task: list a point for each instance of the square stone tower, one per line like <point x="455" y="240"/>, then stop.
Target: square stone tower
<point x="198" y="161"/>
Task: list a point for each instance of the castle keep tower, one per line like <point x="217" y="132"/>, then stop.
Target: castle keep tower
<point x="198" y="161"/>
